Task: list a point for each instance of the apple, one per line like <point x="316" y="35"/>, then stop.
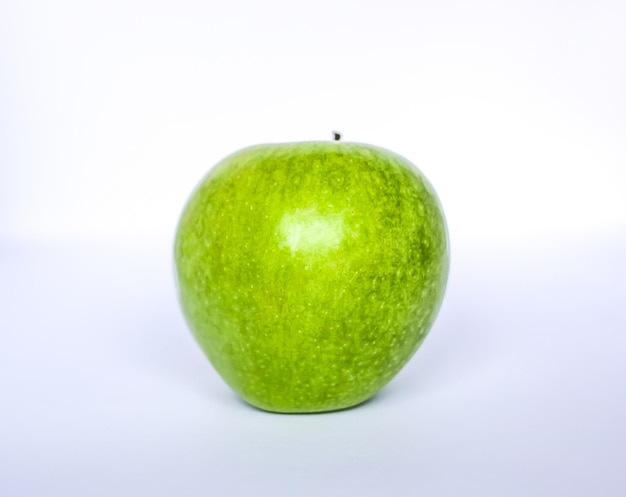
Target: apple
<point x="310" y="273"/>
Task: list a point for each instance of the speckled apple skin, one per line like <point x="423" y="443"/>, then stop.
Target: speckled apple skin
<point x="310" y="273"/>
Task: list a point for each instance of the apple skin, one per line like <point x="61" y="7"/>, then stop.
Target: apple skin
<point x="310" y="273"/>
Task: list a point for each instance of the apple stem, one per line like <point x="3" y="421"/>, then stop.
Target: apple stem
<point x="337" y="135"/>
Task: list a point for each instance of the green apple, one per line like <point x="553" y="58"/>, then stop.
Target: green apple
<point x="310" y="273"/>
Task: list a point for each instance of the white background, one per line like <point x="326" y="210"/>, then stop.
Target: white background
<point x="111" y="111"/>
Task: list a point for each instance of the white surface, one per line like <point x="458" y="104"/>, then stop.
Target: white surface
<point x="519" y="389"/>
<point x="111" y="111"/>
